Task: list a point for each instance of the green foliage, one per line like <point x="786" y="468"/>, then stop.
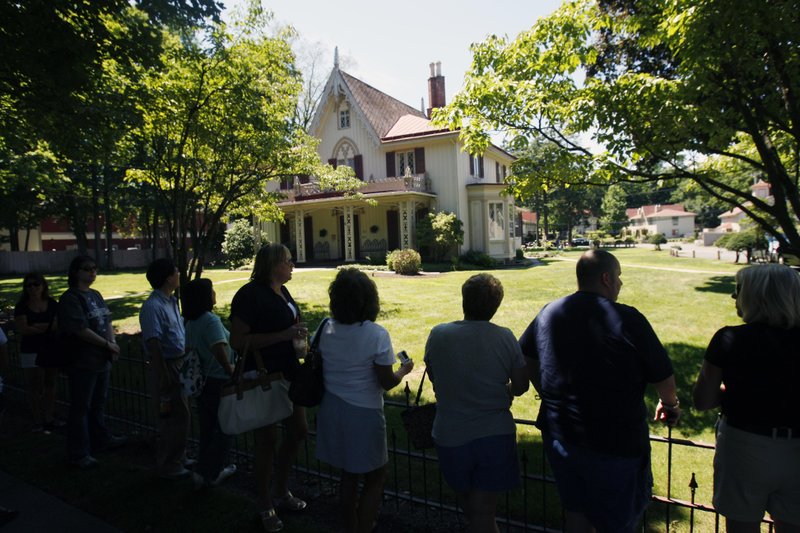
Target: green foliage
<point x="658" y="239"/>
<point x="615" y="203"/>
<point x="749" y="240"/>
<point x="239" y="245"/>
<point x="686" y="90"/>
<point x="520" y="254"/>
<point x="481" y="259"/>
<point x="440" y="233"/>
<point x="407" y="262"/>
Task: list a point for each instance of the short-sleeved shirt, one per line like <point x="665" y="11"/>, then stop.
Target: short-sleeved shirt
<point x="596" y="358"/>
<point x="349" y="355"/>
<point x="258" y="306"/>
<point x="201" y="335"/>
<point x="470" y="364"/>
<point x="160" y="319"/>
<point x="760" y="369"/>
<point x="32" y="342"/>
<point x="79" y="310"/>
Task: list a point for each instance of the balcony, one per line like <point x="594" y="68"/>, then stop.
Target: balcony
<point x="407" y="183"/>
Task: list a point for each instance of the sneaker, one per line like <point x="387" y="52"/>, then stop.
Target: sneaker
<point x="289" y="502"/>
<point x="224" y="474"/>
<point x="181" y="473"/>
<point x="85" y="463"/>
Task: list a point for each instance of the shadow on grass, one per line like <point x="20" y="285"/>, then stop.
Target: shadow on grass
<point x="719" y="285"/>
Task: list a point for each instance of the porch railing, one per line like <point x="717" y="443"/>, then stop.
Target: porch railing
<point x="412" y="182"/>
<point x="413" y="476"/>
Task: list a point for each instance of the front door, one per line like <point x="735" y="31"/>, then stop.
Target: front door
<point x="393" y="230"/>
<point x="308" y="235"/>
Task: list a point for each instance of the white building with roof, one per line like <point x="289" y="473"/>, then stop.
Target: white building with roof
<point x="409" y="167"/>
<point x="671" y="220"/>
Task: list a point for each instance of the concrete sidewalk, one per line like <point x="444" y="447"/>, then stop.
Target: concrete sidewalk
<point x="39" y="511"/>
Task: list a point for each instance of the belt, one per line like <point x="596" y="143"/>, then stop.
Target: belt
<point x="781" y="432"/>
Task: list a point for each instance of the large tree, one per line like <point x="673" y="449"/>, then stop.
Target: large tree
<point x="219" y="125"/>
<point x="699" y="90"/>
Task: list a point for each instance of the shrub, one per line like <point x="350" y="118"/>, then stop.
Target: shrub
<point x="474" y="257"/>
<point x="520" y="255"/>
<point x="658" y="239"/>
<point x="406" y="262"/>
<point x="439" y="233"/>
<point x="239" y="245"/>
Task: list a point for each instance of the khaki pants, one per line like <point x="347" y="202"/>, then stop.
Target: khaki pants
<point x="173" y="429"/>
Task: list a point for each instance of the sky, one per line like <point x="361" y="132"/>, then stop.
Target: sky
<point x="389" y="45"/>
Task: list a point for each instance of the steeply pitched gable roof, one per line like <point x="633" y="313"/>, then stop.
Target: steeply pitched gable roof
<point x="381" y="110"/>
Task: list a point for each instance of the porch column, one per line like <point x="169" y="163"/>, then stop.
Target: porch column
<point x="300" y="236"/>
<point x="407" y="224"/>
<point x="511" y="222"/>
<point x="349" y="245"/>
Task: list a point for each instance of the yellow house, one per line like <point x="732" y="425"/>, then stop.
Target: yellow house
<point x="409" y="168"/>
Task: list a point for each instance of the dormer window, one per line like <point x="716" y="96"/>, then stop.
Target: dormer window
<point x="344" y="119"/>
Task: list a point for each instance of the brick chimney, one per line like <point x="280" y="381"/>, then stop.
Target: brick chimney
<point x="436" y="94"/>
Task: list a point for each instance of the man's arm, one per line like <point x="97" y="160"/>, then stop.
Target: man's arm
<point x="668" y="409"/>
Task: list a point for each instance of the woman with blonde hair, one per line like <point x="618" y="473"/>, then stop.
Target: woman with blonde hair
<point x="265" y="318"/>
<point x="751" y="372"/>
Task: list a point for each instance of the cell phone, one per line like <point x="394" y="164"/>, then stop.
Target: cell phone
<point x="403" y="356"/>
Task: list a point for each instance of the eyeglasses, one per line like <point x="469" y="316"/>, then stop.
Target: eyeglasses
<point x="92" y="268"/>
<point x="32" y="284"/>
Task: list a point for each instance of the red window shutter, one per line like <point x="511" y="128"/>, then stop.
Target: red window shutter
<point x="419" y="160"/>
<point x="332" y="162"/>
<point x="359" y="164"/>
<point x="480" y="164"/>
<point x="471" y="165"/>
<point x="390" y="173"/>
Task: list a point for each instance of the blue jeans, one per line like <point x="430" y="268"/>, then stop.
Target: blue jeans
<point x="214" y="444"/>
<point x="86" y="424"/>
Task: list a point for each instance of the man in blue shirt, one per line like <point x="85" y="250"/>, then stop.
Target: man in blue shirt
<point x="590" y="359"/>
<point x="164" y="341"/>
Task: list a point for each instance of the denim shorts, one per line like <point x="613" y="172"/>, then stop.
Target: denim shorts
<point x="487" y="464"/>
<point x="612" y="492"/>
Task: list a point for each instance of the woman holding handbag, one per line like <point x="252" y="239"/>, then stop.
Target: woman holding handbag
<point x="34" y="319"/>
<point x="357" y="360"/>
<point x="266" y="320"/>
<point x="476" y="368"/>
<point x="206" y="335"/>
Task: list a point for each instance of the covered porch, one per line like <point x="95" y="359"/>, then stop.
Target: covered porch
<point x="342" y="229"/>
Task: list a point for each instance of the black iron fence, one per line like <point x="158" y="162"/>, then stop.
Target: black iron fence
<point x="413" y="476"/>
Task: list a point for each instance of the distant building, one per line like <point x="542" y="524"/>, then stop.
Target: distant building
<point x="731" y="220"/>
<point x="671" y="220"/>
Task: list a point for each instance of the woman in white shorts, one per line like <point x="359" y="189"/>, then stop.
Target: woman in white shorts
<point x="752" y="371"/>
<point x="35" y="316"/>
<point x="357" y="360"/>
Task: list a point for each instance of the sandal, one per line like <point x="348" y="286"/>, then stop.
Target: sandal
<point x="289" y="502"/>
<point x="270" y="520"/>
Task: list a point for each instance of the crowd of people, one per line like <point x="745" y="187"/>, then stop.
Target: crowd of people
<point x="588" y="357"/>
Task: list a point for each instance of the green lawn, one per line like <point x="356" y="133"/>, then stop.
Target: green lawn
<point x="685" y="309"/>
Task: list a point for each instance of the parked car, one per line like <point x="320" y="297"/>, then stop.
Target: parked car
<point x="580" y="241"/>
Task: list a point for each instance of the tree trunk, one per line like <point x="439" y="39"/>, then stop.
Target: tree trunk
<point x="98" y="250"/>
<point x="107" y="216"/>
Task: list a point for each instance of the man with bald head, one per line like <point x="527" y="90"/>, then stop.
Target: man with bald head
<point x="590" y="359"/>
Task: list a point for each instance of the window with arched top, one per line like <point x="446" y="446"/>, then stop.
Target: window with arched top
<point x="346" y="154"/>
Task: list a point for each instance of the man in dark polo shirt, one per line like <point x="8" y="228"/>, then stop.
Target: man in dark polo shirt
<point x="590" y="359"/>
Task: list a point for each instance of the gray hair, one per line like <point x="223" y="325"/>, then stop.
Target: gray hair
<point x="769" y="294"/>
